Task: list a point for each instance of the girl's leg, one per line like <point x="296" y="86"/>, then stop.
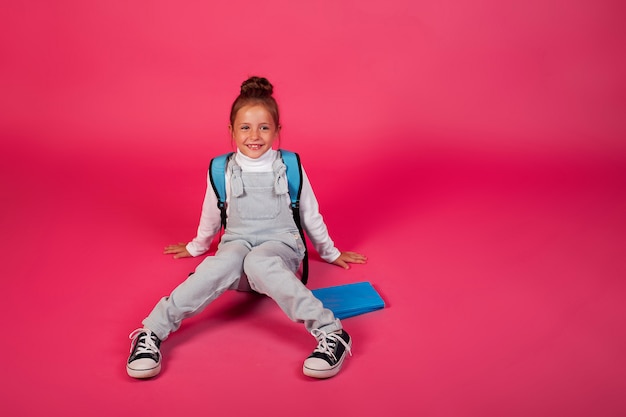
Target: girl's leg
<point x="270" y="268"/>
<point x="211" y="278"/>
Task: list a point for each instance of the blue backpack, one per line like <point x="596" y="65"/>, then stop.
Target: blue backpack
<point x="217" y="174"/>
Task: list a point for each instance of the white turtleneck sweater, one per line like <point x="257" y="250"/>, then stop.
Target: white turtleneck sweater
<point x="312" y="220"/>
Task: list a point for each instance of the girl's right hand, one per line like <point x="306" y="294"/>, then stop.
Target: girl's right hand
<point x="179" y="251"/>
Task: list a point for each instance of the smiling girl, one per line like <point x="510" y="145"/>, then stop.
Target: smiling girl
<point x="261" y="243"/>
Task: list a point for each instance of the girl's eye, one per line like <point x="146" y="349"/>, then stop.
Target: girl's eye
<point x="245" y="127"/>
<point x="265" y="128"/>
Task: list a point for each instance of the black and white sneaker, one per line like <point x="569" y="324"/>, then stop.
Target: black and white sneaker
<point x="145" y="358"/>
<point x="326" y="359"/>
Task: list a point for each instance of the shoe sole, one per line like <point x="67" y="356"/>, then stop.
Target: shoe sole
<point x="326" y="373"/>
<point x="143" y="373"/>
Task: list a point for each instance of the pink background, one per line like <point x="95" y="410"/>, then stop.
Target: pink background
<point x="475" y="151"/>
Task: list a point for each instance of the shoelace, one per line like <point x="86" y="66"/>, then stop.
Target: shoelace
<point x="327" y="343"/>
<point x="145" y="344"/>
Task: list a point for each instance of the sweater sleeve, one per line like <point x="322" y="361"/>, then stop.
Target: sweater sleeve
<point x="210" y="223"/>
<point x="313" y="223"/>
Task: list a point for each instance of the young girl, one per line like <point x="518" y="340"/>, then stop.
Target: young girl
<point x="261" y="243"/>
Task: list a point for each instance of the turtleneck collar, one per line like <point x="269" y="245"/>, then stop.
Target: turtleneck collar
<point x="262" y="163"/>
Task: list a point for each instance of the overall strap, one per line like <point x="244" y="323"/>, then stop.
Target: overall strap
<point x="217" y="174"/>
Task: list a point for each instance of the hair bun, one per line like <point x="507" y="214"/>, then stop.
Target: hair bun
<point x="256" y="87"/>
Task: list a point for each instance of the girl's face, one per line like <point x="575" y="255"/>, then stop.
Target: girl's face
<point x="254" y="130"/>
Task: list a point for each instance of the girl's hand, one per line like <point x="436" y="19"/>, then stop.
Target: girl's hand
<point x="347" y="258"/>
<point x="179" y="251"/>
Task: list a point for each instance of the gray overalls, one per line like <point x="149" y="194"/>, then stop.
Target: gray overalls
<point x="261" y="241"/>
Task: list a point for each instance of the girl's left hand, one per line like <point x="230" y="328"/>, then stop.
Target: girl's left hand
<point x="347" y="258"/>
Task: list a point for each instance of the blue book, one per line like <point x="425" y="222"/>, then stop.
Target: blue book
<point x="350" y="299"/>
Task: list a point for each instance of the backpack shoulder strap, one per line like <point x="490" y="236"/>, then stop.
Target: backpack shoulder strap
<point x="294" y="175"/>
<point x="217" y="174"/>
<point x="294" y="180"/>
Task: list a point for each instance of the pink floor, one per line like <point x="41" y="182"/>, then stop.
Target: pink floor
<point x="503" y="278"/>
